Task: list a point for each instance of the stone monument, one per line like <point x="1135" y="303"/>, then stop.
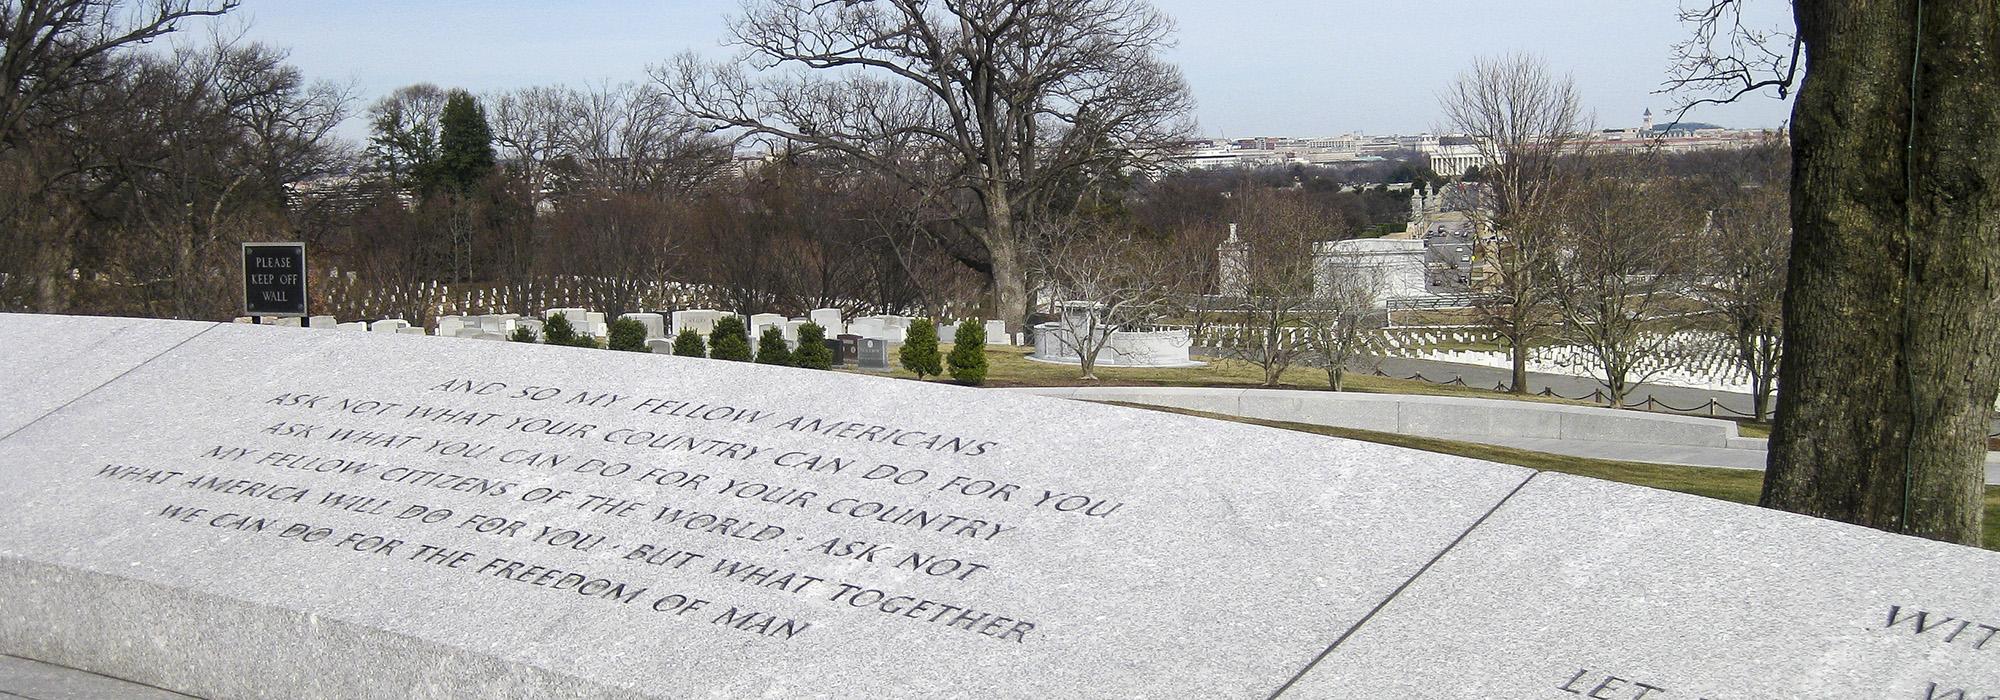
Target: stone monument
<point x="229" y="510"/>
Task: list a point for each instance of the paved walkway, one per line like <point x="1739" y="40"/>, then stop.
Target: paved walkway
<point x="1488" y="377"/>
<point x="1366" y="411"/>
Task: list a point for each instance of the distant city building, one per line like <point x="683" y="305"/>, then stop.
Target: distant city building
<point x="1394" y="266"/>
<point x="1449" y="155"/>
<point x="1452" y="156"/>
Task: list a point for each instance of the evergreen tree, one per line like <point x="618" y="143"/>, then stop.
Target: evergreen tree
<point x="523" y="334"/>
<point x="920" y="349"/>
<point x="812" y="352"/>
<point x="689" y="344"/>
<point x="628" y="334"/>
<point x="968" y="353"/>
<point x="465" y="145"/>
<point x="771" y="348"/>
<point x="557" y="331"/>
<point x="729" y="340"/>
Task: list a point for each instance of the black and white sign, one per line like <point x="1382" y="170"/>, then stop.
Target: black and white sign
<point x="274" y="279"/>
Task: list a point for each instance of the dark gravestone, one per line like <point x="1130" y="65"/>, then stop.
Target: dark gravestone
<point x="850" y="348"/>
<point x="836" y="350"/>
<point x="874" y="353"/>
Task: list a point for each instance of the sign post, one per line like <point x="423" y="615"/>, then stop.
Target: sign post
<point x="274" y="279"/>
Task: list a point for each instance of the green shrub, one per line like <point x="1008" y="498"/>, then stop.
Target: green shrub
<point x="812" y="352"/>
<point x="557" y="331"/>
<point x="729" y="340"/>
<point x="771" y="348"/>
<point x="628" y="334"/>
<point x="584" y="341"/>
<point x="690" y="344"/>
<point x="524" y="334"/>
<point x="968" y="353"/>
<point x="920" y="349"/>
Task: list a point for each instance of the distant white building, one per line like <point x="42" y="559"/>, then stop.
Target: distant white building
<point x="1393" y="266"/>
<point x="1451" y="156"/>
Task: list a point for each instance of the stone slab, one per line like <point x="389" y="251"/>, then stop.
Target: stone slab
<point x="50" y="360"/>
<point x="27" y="678"/>
<point x="1221" y="557"/>
<point x="1578" y="588"/>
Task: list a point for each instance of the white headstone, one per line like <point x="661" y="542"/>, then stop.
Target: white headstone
<point x="758" y="322"/>
<point x="388" y="325"/>
<point x="868" y="327"/>
<point x="322" y="322"/>
<point x="656" y="325"/>
<point x="830" y="320"/>
<point x="996" y="333"/>
<point x="700" y="320"/>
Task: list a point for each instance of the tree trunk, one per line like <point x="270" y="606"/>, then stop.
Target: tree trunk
<point x="1890" y="333"/>
<point x="1010" y="274"/>
<point x="1519" y="351"/>
<point x="1760" y="397"/>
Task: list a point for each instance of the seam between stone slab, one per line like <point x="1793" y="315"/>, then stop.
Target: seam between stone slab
<point x="107" y="382"/>
<point x="168" y="691"/>
<point x="1384" y="603"/>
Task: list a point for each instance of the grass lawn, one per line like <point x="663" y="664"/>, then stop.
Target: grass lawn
<point x="1739" y="485"/>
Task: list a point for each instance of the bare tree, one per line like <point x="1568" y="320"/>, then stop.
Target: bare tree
<point x="1627" y="247"/>
<point x="1014" y="94"/>
<point x="1278" y="230"/>
<point x="1526" y="123"/>
<point x="56" y="59"/>
<point x="617" y="241"/>
<point x="628" y="138"/>
<point x="1746" y="248"/>
<point x="1728" y="56"/>
<point x="56" y="46"/>
<point x="527" y="135"/>
<point x="1344" y="313"/>
<point x="1104" y="280"/>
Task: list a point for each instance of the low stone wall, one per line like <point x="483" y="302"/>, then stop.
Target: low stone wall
<point x="1431" y="416"/>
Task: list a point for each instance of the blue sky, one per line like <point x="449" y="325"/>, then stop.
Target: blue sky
<point x="1257" y="67"/>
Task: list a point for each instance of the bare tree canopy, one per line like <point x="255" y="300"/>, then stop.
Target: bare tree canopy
<point x="1105" y="279"/>
<point x="52" y="46"/>
<point x="1527" y="124"/>
<point x="1728" y="56"/>
<point x="1000" y="98"/>
<point x="1627" y="251"/>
